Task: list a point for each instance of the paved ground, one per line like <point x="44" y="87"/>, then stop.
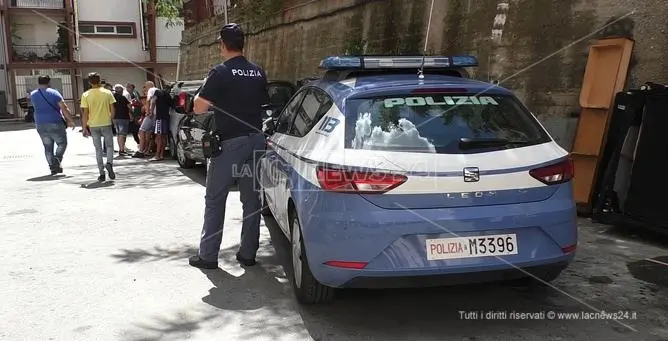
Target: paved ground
<point x="109" y="263"/>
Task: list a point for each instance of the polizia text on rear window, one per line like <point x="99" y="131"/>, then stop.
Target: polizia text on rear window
<point x="437" y="123"/>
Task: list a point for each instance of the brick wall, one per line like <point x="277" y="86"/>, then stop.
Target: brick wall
<point x="538" y="48"/>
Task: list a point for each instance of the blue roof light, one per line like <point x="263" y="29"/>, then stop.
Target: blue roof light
<point x="464" y="61"/>
<point x="335" y="63"/>
<point x="396" y="62"/>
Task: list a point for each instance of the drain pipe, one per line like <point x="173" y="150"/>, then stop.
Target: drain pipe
<point x="142" y="26"/>
<point x="75" y="20"/>
<point x="77" y="78"/>
<point x="178" y="65"/>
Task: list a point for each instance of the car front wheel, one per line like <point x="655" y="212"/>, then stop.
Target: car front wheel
<point x="182" y="159"/>
<point x="172" y="148"/>
<point x="306" y="288"/>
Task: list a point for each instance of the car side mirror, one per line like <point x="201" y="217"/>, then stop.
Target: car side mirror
<point x="271" y="110"/>
<point x="269" y="126"/>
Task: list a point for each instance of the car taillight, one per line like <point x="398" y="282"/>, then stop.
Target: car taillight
<point x="182" y="100"/>
<point x="337" y="180"/>
<point x="554" y="174"/>
<point x="347" y="265"/>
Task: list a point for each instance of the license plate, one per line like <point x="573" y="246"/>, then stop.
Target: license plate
<point x="469" y="247"/>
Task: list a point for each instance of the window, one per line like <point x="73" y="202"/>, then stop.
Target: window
<point x="315" y="104"/>
<point x="124" y="29"/>
<point x="86" y="29"/>
<point x="287" y="116"/>
<point x="107" y="29"/>
<point x="436" y="123"/>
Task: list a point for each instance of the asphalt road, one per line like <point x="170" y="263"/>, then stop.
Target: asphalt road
<point x="110" y="263"/>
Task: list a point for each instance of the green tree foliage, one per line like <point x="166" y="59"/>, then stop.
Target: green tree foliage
<point x="170" y="9"/>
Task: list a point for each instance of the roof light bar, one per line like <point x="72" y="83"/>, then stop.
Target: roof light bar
<point x="396" y="62"/>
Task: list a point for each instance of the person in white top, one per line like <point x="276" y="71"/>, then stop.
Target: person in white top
<point x="148" y="123"/>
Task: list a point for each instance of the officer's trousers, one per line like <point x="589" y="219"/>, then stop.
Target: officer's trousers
<point x="239" y="159"/>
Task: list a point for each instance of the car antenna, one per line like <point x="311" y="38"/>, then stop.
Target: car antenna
<point x="426" y="40"/>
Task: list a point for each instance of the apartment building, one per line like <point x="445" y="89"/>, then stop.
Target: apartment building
<point x="123" y="40"/>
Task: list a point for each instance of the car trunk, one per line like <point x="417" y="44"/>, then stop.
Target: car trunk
<point x="510" y="176"/>
<point x="455" y="148"/>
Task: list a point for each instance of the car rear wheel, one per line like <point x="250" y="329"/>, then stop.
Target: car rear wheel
<point x="306" y="288"/>
<point x="181" y="158"/>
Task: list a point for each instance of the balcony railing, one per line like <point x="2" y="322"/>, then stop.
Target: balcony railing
<point x="167" y="54"/>
<point x="41" y="4"/>
<point x="38" y="53"/>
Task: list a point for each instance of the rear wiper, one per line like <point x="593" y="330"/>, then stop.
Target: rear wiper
<point x="473" y="143"/>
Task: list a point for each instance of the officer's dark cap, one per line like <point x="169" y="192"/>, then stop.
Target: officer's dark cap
<point x="232" y="36"/>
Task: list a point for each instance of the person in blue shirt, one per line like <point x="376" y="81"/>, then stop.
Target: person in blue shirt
<point x="51" y="117"/>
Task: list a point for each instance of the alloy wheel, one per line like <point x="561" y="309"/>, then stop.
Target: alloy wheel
<point x="296" y="252"/>
<point x="180" y="153"/>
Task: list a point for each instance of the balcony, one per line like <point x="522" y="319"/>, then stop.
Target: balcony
<point x="37" y="4"/>
<point x="38" y="54"/>
<point x="167" y="54"/>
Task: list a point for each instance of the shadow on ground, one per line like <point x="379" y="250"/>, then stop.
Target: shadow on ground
<point x="133" y="173"/>
<point x="634" y="233"/>
<point x="139" y="173"/>
<point x="48" y="178"/>
<point x="255" y="303"/>
<point x="261" y="302"/>
<point x="198" y="175"/>
<point x="156" y="254"/>
<point x="15" y="126"/>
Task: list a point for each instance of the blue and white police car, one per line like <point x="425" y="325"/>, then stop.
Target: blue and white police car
<point x="403" y="171"/>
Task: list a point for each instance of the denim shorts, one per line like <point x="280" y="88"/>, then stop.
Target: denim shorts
<point x="122" y="126"/>
<point x="148" y="124"/>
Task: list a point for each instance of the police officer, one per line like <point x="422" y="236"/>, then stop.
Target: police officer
<point x="236" y="91"/>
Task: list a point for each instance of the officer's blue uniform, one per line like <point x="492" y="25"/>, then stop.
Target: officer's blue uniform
<point x="239" y="88"/>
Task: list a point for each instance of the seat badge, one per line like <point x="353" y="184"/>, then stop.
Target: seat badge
<point x="471" y="174"/>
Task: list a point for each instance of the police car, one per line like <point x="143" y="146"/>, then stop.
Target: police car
<point x="382" y="176"/>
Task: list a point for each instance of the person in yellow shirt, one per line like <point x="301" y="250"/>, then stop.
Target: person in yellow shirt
<point x="97" y="106"/>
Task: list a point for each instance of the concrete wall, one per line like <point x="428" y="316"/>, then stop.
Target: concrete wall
<point x="111" y="49"/>
<point x="538" y="48"/>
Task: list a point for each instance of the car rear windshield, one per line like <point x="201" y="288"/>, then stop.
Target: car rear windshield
<point x="439" y="123"/>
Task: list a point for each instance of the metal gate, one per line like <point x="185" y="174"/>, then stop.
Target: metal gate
<point x="25" y="81"/>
